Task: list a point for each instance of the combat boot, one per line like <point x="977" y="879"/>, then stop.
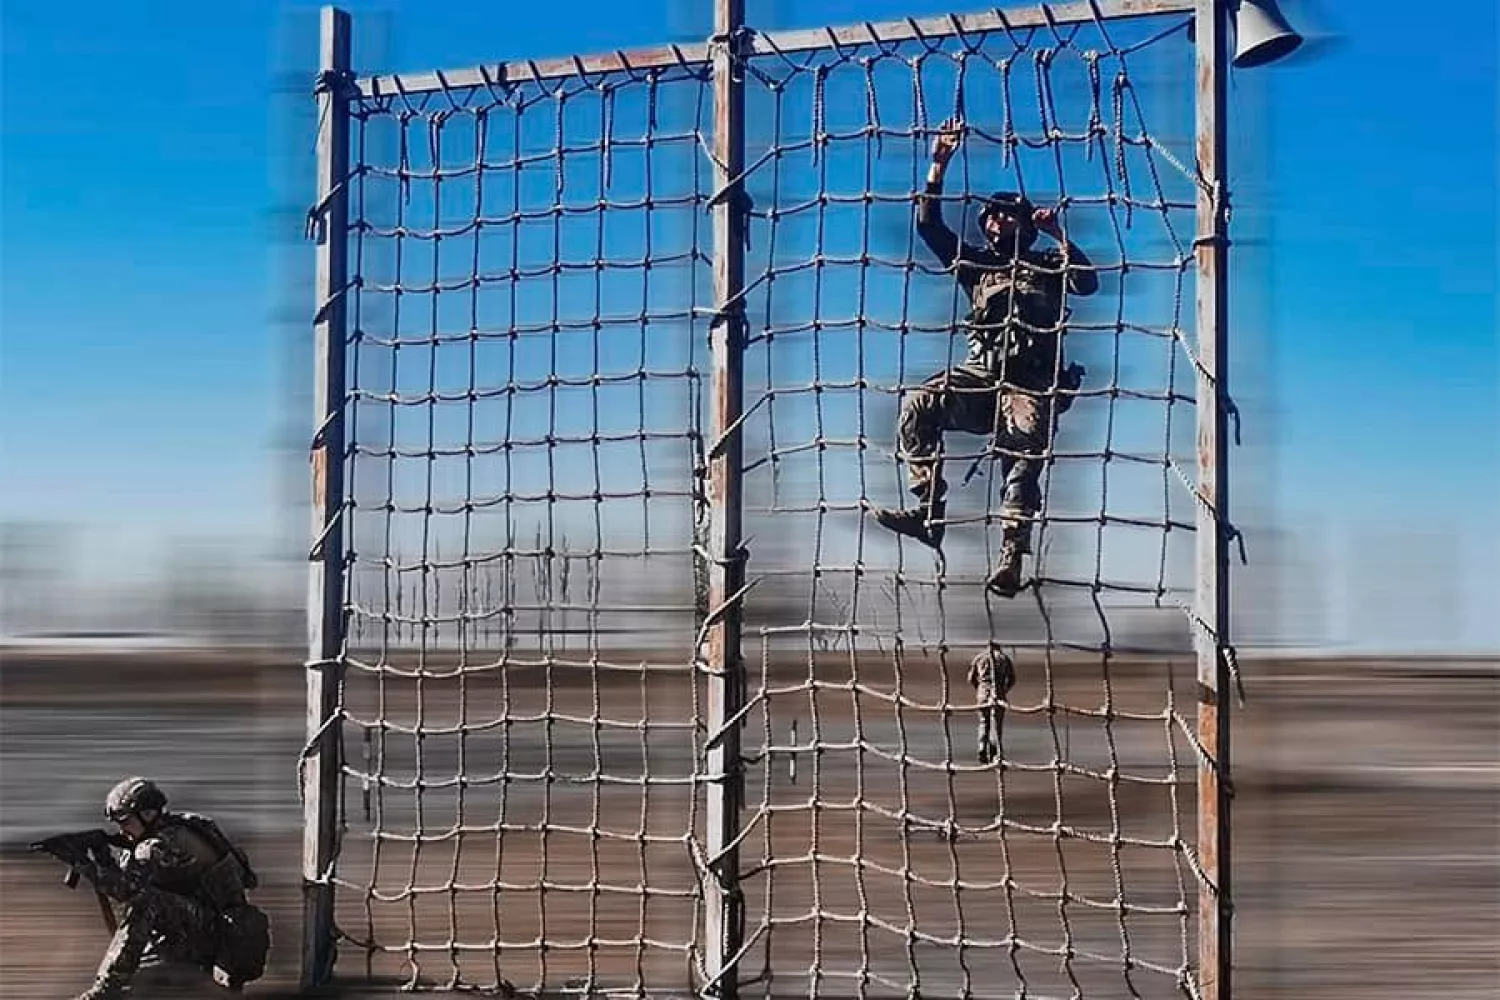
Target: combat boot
<point x="924" y="523"/>
<point x="1006" y="579"/>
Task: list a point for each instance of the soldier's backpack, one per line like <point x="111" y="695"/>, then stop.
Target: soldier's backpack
<point x="244" y="941"/>
<point x="205" y="827"/>
<point x="244" y="932"/>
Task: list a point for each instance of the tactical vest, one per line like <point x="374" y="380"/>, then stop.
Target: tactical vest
<point x="243" y="940"/>
<point x="223" y="884"/>
<point x="1013" y="323"/>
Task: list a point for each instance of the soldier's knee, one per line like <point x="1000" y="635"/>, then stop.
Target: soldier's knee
<point x="919" y="403"/>
<point x="919" y="420"/>
<point x="1023" y="490"/>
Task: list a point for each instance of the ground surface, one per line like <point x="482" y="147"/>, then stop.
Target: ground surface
<point x="1365" y="817"/>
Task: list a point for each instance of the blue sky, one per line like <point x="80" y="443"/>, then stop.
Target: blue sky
<point x="151" y="215"/>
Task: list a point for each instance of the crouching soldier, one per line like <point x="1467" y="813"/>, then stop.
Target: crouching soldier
<point x="180" y="894"/>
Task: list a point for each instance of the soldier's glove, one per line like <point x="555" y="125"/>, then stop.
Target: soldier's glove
<point x="1069" y="382"/>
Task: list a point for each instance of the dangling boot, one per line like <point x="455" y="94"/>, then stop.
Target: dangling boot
<point x="1006" y="579"/>
<point x="924" y="522"/>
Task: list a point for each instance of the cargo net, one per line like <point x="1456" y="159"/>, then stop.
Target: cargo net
<point x="523" y="707"/>
<point x="526" y="376"/>
<point x="913" y="826"/>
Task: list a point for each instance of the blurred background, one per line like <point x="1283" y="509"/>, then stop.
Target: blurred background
<point x="155" y="294"/>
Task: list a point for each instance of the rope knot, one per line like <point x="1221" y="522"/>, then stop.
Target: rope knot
<point x="338" y="82"/>
<point x="734" y="43"/>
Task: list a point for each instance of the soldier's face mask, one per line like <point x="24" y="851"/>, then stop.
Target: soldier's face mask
<point x="1003" y="229"/>
<point x="998" y="226"/>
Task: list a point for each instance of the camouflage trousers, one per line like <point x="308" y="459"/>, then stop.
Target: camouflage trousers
<point x="174" y="928"/>
<point x="976" y="402"/>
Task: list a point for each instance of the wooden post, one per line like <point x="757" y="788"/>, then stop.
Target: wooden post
<point x="1211" y="607"/>
<point x="325" y="594"/>
<point x="724" y="921"/>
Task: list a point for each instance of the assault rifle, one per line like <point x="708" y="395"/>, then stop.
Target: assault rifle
<point x="82" y="851"/>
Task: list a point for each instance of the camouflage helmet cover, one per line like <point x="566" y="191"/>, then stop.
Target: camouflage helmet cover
<point x="133" y="795"/>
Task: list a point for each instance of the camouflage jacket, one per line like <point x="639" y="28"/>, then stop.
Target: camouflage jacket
<point x="1017" y="299"/>
<point x="188" y="855"/>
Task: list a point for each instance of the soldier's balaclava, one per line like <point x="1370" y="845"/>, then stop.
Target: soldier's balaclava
<point x="1014" y="206"/>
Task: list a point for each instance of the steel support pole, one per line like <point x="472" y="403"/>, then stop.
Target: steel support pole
<point x="723" y="933"/>
<point x="325" y="594"/>
<point x="1215" y="954"/>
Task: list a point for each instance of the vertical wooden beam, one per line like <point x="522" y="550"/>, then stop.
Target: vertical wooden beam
<point x="1212" y="593"/>
<point x="325" y="593"/>
<point x="723" y="932"/>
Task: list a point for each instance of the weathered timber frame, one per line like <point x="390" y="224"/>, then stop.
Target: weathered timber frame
<point x="1211" y="604"/>
<point x="326" y="619"/>
<point x="721" y="654"/>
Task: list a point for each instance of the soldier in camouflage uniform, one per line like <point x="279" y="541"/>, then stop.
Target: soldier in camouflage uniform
<point x="182" y="889"/>
<point x="1007" y="386"/>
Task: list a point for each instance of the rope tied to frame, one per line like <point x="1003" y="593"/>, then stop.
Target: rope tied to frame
<point x="735" y="45"/>
<point x="341" y="83"/>
<point x="733" y="193"/>
<point x="1232" y="662"/>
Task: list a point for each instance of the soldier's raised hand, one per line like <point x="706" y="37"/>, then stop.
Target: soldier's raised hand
<point x="1045" y="221"/>
<point x="950" y="134"/>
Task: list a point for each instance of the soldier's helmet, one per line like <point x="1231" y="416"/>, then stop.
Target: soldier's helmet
<point x="131" y="796"/>
<point x="1011" y="205"/>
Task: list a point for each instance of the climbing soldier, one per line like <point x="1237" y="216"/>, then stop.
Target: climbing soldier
<point x="1007" y="387"/>
<point x="181" y="892"/>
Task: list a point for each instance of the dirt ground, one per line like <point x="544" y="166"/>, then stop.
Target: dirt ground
<point x="1365" y="819"/>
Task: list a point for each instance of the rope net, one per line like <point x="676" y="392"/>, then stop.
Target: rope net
<point x="525" y="405"/>
<point x="947" y="791"/>
<point x="889" y="852"/>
